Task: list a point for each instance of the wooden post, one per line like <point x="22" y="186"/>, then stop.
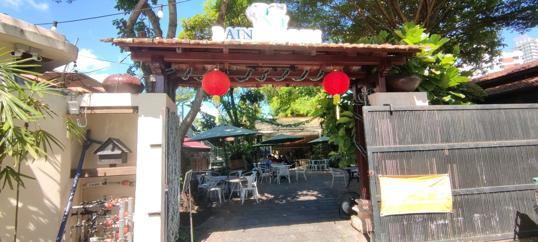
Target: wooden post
<point x="163" y="84"/>
<point x="362" y="161"/>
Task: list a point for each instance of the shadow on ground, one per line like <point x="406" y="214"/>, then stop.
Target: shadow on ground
<point x="296" y="211"/>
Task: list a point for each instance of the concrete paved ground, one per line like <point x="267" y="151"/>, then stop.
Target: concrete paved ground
<point x="304" y="211"/>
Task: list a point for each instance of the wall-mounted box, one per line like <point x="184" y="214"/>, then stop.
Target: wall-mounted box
<point x="111" y="152"/>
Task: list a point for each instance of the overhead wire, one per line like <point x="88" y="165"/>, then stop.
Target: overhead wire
<point x="108" y="15"/>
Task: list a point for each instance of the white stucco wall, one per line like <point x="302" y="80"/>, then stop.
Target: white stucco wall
<point x="43" y="199"/>
<point x="150" y="160"/>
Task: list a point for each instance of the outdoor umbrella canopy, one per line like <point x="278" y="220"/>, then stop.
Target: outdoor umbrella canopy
<point x="279" y="139"/>
<point x="320" y="140"/>
<point x="223" y="131"/>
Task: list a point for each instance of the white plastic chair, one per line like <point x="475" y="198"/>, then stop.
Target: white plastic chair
<point x="313" y="165"/>
<point x="250" y="187"/>
<point x="212" y="186"/>
<point x="323" y="164"/>
<point x="283" y="171"/>
<point x="265" y="173"/>
<point x="336" y="173"/>
<point x="301" y="170"/>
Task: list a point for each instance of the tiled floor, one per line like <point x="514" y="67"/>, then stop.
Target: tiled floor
<point x="304" y="211"/>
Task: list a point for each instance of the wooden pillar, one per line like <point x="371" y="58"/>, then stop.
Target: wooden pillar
<point x="160" y="77"/>
<point x="362" y="159"/>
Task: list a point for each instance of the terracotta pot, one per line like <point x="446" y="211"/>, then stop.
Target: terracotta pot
<point x="122" y="83"/>
<point x="407" y="83"/>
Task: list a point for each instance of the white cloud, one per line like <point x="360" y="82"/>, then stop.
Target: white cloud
<point x="17" y="4"/>
<point x="38" y="6"/>
<point x="87" y="61"/>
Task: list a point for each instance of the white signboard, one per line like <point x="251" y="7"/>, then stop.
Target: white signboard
<point x="270" y="24"/>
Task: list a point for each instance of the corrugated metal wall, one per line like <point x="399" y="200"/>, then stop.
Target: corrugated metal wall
<point x="490" y="153"/>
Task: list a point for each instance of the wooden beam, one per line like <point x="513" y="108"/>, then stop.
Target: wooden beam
<point x="240" y="47"/>
<point x="255" y="83"/>
<point x="163" y="84"/>
<point x="110" y="110"/>
<point x="264" y="59"/>
<point x="107" y="171"/>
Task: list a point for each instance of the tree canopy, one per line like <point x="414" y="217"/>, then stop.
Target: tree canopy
<point x="473" y="26"/>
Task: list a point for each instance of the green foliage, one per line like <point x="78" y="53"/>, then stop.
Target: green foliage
<point x="441" y="78"/>
<point x="20" y="110"/>
<point x="199" y="25"/>
<point x="206" y="122"/>
<point x="473" y="26"/>
<point x="340" y="132"/>
<point x="293" y="101"/>
<point x="242" y="107"/>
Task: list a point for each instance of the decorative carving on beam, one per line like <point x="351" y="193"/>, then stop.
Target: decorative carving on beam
<point x="187" y="74"/>
<point x="284" y="75"/>
<point x="303" y="76"/>
<point x="319" y="76"/>
<point x="264" y="76"/>
<point x="246" y="76"/>
<point x="194" y="82"/>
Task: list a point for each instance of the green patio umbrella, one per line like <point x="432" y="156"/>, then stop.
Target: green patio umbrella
<point x="280" y="139"/>
<point x="321" y="139"/>
<point x="221" y="132"/>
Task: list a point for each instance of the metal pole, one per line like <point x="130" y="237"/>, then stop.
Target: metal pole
<point x="78" y="173"/>
<point x="17" y="206"/>
<point x="122" y="221"/>
<point x="130" y="202"/>
<point x="190" y="211"/>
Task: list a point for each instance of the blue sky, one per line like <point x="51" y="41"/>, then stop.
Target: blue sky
<point x="100" y="59"/>
<point x="95" y="57"/>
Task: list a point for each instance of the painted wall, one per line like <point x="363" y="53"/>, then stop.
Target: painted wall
<point x="43" y="199"/>
<point x="121" y="126"/>
<point x="150" y="160"/>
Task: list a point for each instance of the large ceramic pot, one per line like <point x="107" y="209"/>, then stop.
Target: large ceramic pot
<point x="122" y="83"/>
<point x="401" y="83"/>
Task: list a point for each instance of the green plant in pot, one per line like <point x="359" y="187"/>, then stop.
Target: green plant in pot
<point x="433" y="70"/>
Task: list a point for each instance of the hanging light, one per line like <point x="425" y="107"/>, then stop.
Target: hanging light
<point x="216" y="83"/>
<point x="54" y="26"/>
<point x="160" y="13"/>
<point x="335" y="84"/>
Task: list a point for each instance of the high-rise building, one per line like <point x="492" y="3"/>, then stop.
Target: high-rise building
<point x="506" y="60"/>
<point x="529" y="47"/>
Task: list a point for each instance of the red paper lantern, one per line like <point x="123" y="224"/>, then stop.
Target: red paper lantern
<point x="335" y="84"/>
<point x="216" y="83"/>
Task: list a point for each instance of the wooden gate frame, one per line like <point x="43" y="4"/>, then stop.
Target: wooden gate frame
<point x="371" y="150"/>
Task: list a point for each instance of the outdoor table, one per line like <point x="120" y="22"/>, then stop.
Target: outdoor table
<point x="234" y="183"/>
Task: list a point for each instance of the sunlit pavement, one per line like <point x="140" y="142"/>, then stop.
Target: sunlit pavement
<point x="304" y="211"/>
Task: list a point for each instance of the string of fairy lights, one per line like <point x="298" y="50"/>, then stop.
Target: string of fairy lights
<point x="54" y="27"/>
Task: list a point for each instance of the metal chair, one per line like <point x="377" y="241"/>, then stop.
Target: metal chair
<point x="336" y="173"/>
<point x="300" y="171"/>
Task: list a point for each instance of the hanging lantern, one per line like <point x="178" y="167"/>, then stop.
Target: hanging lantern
<point x="335" y="84"/>
<point x="216" y="83"/>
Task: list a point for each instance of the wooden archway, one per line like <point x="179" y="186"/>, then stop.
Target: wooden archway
<point x="176" y="62"/>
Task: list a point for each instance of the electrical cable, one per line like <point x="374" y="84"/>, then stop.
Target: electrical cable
<point x="107" y="15"/>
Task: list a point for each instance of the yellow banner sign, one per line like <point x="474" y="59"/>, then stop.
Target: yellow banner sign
<point x="415" y="194"/>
